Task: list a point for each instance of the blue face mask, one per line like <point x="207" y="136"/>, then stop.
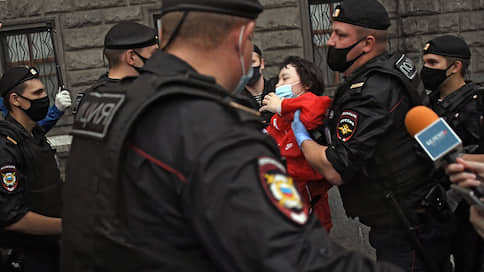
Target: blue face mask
<point x="285" y="91"/>
<point x="245" y="77"/>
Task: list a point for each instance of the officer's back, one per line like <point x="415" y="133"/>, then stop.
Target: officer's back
<point x="183" y="179"/>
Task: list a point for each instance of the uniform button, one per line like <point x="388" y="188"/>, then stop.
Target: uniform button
<point x="457" y="115"/>
<point x="475" y="96"/>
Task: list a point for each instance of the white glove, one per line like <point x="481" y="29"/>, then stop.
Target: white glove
<point x="63" y="100"/>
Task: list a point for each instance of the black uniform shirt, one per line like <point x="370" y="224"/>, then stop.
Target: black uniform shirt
<point x="13" y="175"/>
<point x="462" y="110"/>
<point x="207" y="192"/>
<point x="361" y="114"/>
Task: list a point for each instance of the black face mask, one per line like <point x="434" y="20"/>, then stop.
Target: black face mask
<point x="255" y="76"/>
<point x="143" y="59"/>
<point x="336" y="58"/>
<point x="38" y="108"/>
<point x="433" y="78"/>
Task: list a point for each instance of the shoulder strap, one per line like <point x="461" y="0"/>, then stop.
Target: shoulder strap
<point x="405" y="71"/>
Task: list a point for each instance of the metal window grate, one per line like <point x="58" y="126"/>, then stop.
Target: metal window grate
<point x="320" y="12"/>
<point x="32" y="47"/>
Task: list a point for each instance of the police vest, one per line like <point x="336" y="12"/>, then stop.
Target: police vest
<point x="101" y="128"/>
<point x="396" y="165"/>
<point x="42" y="184"/>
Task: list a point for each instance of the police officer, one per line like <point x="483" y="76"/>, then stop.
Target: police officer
<point x="127" y="46"/>
<point x="177" y="176"/>
<point x="30" y="195"/>
<point x="446" y="59"/>
<point x="369" y="152"/>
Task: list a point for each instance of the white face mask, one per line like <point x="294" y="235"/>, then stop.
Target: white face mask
<point x="245" y="76"/>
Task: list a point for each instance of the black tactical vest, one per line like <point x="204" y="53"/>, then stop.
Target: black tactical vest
<point x="101" y="128"/>
<point x="37" y="166"/>
<point x="396" y="165"/>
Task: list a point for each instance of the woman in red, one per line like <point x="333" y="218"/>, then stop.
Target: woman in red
<point x="299" y="88"/>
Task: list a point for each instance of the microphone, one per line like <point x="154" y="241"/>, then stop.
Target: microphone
<point x="442" y="145"/>
<point x="434" y="135"/>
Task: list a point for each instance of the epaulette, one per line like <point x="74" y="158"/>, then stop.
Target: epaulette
<point x="10" y="139"/>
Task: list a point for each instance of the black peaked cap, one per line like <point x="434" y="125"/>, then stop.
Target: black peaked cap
<point x="365" y="13"/>
<point x="16" y="75"/>
<point x="448" y="46"/>
<point x="130" y="35"/>
<point x="241" y="8"/>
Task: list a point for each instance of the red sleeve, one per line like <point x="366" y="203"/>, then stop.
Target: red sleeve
<point x="312" y="108"/>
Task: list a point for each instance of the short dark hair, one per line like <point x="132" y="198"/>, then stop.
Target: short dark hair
<point x="203" y="29"/>
<point x="309" y="73"/>
<point x="19" y="89"/>
<point x="113" y="56"/>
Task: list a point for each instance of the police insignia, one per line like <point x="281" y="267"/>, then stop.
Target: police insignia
<point x="406" y="66"/>
<point x="9" y="177"/>
<point x="281" y="190"/>
<point x="346" y="127"/>
<point x="95" y="113"/>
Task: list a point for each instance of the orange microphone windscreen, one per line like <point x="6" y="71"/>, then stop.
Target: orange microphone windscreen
<point x="418" y="118"/>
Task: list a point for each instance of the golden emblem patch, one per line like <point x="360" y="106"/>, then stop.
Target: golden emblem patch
<point x="9" y="177"/>
<point x="347" y="124"/>
<point x="281" y="190"/>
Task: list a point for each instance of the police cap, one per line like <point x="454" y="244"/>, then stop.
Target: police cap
<point x="241" y="8"/>
<point x="130" y="35"/>
<point x="448" y="46"/>
<point x="365" y="13"/>
<point x="14" y="76"/>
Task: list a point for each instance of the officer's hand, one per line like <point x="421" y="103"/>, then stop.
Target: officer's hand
<point x="299" y="130"/>
<point x="63" y="100"/>
<point x="271" y="103"/>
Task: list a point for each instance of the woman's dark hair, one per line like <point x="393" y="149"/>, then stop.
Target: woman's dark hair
<point x="310" y="74"/>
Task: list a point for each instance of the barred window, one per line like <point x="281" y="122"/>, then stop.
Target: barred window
<point x="32" y="45"/>
<point x="321" y="12"/>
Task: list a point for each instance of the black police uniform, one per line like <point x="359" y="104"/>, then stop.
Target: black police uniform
<point x="177" y="176"/>
<point x="375" y="155"/>
<point x="30" y="182"/>
<point x="462" y="109"/>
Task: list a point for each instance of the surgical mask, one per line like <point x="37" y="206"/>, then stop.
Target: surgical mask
<point x="336" y="58"/>
<point x="433" y="78"/>
<point x="285" y="91"/>
<point x="245" y="77"/>
<point x="38" y="108"/>
<point x="255" y="76"/>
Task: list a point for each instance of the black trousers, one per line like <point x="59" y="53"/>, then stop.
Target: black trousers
<point x="393" y="245"/>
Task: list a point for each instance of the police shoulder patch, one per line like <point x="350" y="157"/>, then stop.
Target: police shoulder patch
<point x="406" y="66"/>
<point x="347" y="124"/>
<point x="281" y="190"/>
<point x="95" y="113"/>
<point x="9" y="177"/>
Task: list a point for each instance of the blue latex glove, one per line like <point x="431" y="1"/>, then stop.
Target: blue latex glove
<point x="299" y="130"/>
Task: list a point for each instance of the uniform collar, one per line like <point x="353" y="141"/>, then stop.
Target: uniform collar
<point x="366" y="66"/>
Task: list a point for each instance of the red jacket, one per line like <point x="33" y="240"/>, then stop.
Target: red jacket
<point x="312" y="108"/>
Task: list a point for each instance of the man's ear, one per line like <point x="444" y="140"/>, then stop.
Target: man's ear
<point x="128" y="55"/>
<point x="370" y="42"/>
<point x="245" y="37"/>
<point x="13" y="98"/>
<point x="262" y="64"/>
<point x="457" y="67"/>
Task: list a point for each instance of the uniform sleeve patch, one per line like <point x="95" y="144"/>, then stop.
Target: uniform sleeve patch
<point x="347" y="124"/>
<point x="280" y="189"/>
<point x="9" y="177"/>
